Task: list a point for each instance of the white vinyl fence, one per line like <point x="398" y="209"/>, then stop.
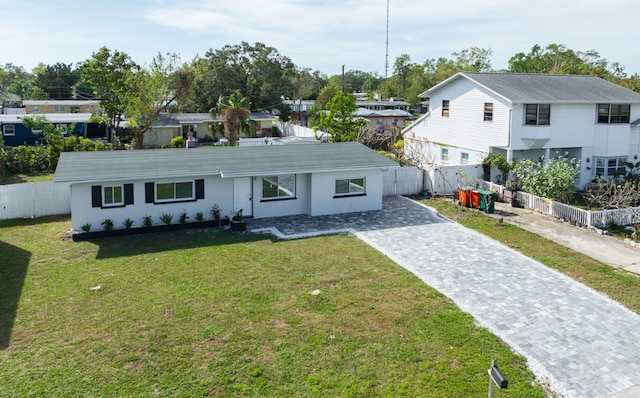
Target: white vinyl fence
<point x="402" y="181"/>
<point x="574" y="215"/>
<point x="34" y="199"/>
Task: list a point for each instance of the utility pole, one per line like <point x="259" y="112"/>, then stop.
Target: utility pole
<point x="342" y="78"/>
<point x="386" y="59"/>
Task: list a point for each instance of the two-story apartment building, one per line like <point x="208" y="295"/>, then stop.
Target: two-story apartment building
<point x="530" y="116"/>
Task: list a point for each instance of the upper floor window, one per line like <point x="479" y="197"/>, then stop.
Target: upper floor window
<point x="488" y="111"/>
<point x="614" y="113"/>
<point x="445" y="108"/>
<point x="464" y="158"/>
<point x="75" y="109"/>
<point x="279" y="187"/>
<point x="9" y="129"/>
<point x="59" y="108"/>
<point x="444" y="154"/>
<point x="36" y="109"/>
<point x="537" y="114"/>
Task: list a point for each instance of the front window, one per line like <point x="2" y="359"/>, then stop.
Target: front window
<point x="59" y="108"/>
<point x="611" y="167"/>
<point x="445" y="108"/>
<point x="112" y="196"/>
<point x="9" y="129"/>
<point x="488" y="111"/>
<point x="350" y="186"/>
<point x="279" y="187"/>
<point x="174" y="191"/>
<point x="464" y="158"/>
<point x="537" y="114"/>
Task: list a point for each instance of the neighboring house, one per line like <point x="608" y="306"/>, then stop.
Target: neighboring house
<point x="382" y="105"/>
<point x="62" y="106"/>
<point x="299" y="111"/>
<point x="15" y="133"/>
<point x="170" y="125"/>
<point x="381" y="119"/>
<point x="263" y="181"/>
<point x="529" y="116"/>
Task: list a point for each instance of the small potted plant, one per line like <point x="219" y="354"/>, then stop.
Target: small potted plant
<point x="237" y="223"/>
<point x="215" y="213"/>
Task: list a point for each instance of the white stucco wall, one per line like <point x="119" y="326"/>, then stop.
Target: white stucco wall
<point x="216" y="191"/>
<point x="323" y="186"/>
<point x="282" y="207"/>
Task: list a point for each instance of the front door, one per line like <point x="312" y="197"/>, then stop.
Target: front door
<point x="242" y="196"/>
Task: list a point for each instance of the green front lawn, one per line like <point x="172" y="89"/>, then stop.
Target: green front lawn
<point x="218" y="314"/>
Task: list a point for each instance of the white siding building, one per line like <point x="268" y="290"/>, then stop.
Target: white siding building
<point x="530" y="116"/>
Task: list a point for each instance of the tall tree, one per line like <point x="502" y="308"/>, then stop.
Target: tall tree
<point x="558" y="59"/>
<point x="57" y="80"/>
<point x="151" y="91"/>
<point x="340" y="120"/>
<point x="257" y="71"/>
<point x="234" y="110"/>
<point x="108" y="74"/>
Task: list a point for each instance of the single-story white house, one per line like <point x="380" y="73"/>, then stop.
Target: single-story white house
<point x="263" y="181"/>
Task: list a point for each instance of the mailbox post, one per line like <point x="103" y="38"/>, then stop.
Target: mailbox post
<point x="496" y="377"/>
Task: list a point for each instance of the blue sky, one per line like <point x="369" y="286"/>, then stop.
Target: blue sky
<point x="321" y="35"/>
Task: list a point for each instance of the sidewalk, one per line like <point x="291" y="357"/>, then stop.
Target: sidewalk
<point x="603" y="248"/>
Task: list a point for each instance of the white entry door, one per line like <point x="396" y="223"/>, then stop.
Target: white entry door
<point x="243" y="196"/>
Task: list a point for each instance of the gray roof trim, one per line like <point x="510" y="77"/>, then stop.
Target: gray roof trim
<point x="227" y="162"/>
<point x="537" y="88"/>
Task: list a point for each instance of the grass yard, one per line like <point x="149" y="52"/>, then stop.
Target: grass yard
<point x="20" y="178"/>
<point x="196" y="313"/>
<point x="620" y="285"/>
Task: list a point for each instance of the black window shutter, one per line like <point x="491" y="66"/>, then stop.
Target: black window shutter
<point x="128" y="194"/>
<point x="96" y="196"/>
<point x="199" y="189"/>
<point x="149" y="193"/>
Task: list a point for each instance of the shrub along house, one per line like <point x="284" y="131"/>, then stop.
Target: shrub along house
<point x="263" y="181"/>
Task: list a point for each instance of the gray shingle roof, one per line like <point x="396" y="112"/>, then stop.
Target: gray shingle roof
<point x="523" y="88"/>
<point x="225" y="161"/>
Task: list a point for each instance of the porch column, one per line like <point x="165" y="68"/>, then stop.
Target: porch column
<point x="509" y="155"/>
<point x="547" y="153"/>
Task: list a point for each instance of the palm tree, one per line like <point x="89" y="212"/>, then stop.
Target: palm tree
<point x="234" y="109"/>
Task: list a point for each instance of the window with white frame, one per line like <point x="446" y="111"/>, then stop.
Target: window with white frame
<point x="8" y="130"/>
<point x="488" y="111"/>
<point x="279" y="187"/>
<point x="445" y="108"/>
<point x="464" y="158"/>
<point x="174" y="191"/>
<point x="59" y="108"/>
<point x="537" y="114"/>
<point x="444" y="154"/>
<point x="350" y="186"/>
<point x="112" y="196"/>
<point x="611" y="167"/>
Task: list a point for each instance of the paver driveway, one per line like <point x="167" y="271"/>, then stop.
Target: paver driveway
<point x="583" y="343"/>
